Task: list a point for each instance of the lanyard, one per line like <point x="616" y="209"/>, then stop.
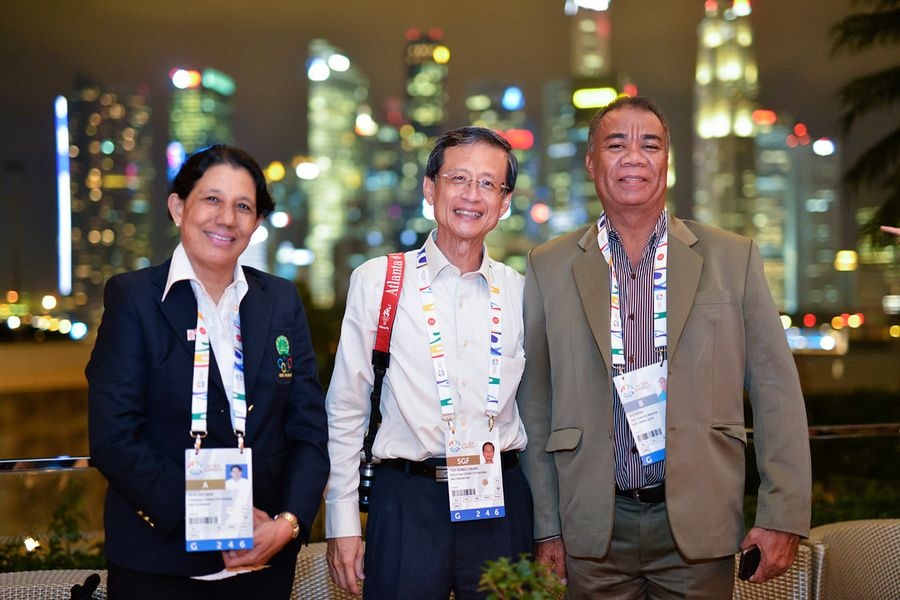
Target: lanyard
<point x="200" y="387"/>
<point x="660" y="292"/>
<point x="436" y="344"/>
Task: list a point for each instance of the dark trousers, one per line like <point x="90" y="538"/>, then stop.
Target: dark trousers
<point x="414" y="551"/>
<point x="275" y="581"/>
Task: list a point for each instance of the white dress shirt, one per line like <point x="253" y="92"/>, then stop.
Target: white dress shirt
<point x="411" y="425"/>
<point x="218" y="317"/>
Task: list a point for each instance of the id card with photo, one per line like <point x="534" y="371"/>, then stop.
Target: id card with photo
<point x="218" y="500"/>
<point x="643" y="396"/>
<point x="474" y="473"/>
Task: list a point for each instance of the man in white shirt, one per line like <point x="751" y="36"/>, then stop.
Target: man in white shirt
<point x="456" y="360"/>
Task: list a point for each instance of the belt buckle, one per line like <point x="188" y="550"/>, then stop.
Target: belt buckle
<point x="636" y="494"/>
<point x="440" y="473"/>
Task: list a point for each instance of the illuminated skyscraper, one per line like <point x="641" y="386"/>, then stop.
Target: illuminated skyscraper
<point x="568" y="106"/>
<point x="725" y="93"/>
<point x="427" y="61"/>
<point x="288" y="226"/>
<point x="338" y="93"/>
<point x="589" y="35"/>
<point x="386" y="198"/>
<point x="201" y="112"/>
<point x="797" y="216"/>
<point x="104" y="170"/>
<point x="502" y="108"/>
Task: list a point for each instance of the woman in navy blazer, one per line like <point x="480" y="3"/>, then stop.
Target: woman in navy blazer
<point x="140" y="383"/>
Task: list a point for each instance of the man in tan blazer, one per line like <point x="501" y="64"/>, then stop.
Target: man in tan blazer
<point x="613" y="524"/>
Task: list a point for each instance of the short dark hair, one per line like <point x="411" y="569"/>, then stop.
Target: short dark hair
<point x="636" y="102"/>
<point x="463" y="136"/>
<point x="485" y="445"/>
<point x="197" y="164"/>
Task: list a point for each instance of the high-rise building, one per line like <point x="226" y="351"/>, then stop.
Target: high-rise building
<point x="201" y="110"/>
<point x="389" y="194"/>
<point x="427" y="61"/>
<point x="338" y="95"/>
<point x="797" y="216"/>
<point x="725" y="93"/>
<point x="104" y="170"/>
<point x="568" y="107"/>
<point x="288" y="226"/>
<point x="501" y="107"/>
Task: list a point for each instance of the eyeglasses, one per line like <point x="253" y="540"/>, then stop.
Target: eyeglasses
<point x="487" y="186"/>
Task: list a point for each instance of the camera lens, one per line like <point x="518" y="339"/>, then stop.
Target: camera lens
<point x="366" y="476"/>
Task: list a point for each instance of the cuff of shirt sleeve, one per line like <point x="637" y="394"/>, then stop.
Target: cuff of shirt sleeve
<point x="547" y="539"/>
<point x="342" y="519"/>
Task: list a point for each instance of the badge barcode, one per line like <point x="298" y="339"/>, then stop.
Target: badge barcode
<point x="202" y="520"/>
<point x="465" y="492"/>
<point x="649" y="434"/>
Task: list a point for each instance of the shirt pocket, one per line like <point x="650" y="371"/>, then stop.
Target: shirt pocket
<point x="511" y="370"/>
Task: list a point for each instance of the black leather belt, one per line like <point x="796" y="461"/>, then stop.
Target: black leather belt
<point x="436" y="468"/>
<point x="646" y="495"/>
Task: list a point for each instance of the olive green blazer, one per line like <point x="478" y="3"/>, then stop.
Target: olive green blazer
<point x="724" y="337"/>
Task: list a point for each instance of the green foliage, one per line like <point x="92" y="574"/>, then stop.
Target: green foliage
<point x="852" y="498"/>
<point x="65" y="547"/>
<point x="878" y="169"/>
<point x="523" y="580"/>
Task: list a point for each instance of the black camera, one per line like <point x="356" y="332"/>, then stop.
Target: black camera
<point x="366" y="477"/>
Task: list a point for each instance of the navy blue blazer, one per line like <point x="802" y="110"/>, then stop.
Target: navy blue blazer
<point x="139" y="390"/>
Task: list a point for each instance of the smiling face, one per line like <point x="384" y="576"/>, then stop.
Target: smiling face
<point x="628" y="161"/>
<point x="216" y="220"/>
<point x="466" y="213"/>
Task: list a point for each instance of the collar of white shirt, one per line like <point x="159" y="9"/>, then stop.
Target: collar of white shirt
<point x="437" y="261"/>
<point x="181" y="269"/>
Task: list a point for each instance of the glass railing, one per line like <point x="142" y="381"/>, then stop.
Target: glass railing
<point x="855" y="473"/>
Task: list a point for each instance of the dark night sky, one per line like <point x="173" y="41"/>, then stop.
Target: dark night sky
<point x="263" y="45"/>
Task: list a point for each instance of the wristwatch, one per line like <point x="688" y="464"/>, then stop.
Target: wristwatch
<point x="295" y="524"/>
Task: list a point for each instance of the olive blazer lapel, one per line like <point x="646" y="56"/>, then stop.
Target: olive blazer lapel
<point x="591" y="273"/>
<point x="683" y="279"/>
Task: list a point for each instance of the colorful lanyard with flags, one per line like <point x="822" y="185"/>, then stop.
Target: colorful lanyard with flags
<point x="435" y="342"/>
<point x="200" y="387"/>
<point x="660" y="291"/>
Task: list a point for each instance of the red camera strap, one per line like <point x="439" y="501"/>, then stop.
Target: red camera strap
<point x="390" y="298"/>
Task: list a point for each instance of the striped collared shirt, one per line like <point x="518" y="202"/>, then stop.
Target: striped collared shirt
<point x="636" y="301"/>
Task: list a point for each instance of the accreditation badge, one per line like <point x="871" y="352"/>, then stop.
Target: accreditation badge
<point x="643" y="396"/>
<point x="218" y="499"/>
<point x="474" y="472"/>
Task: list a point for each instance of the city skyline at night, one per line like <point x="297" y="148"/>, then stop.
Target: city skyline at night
<point x="459" y="76"/>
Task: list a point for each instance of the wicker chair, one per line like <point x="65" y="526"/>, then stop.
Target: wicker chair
<point x="311" y="579"/>
<point x="47" y="585"/>
<point x="862" y="559"/>
<point x="802" y="581"/>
